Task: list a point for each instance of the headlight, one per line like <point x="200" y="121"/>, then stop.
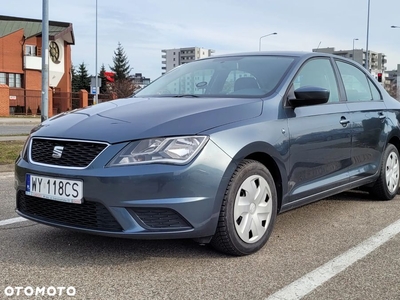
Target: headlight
<point x="172" y="150"/>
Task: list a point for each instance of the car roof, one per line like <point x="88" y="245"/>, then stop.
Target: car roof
<point x="303" y="54"/>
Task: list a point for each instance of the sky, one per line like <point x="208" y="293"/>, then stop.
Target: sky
<point x="146" y="27"/>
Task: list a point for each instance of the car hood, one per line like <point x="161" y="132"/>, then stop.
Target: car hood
<point x="138" y="118"/>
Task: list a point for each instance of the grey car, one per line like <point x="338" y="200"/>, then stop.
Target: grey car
<point x="214" y="150"/>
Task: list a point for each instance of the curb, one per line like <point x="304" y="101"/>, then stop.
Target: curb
<point x="7" y="168"/>
<point x="4" y="138"/>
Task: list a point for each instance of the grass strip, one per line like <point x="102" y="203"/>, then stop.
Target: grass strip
<point x="9" y="151"/>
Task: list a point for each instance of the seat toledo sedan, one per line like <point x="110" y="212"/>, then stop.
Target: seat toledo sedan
<point x="214" y="150"/>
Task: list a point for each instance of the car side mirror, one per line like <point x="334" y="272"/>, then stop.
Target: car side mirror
<point x="309" y="95"/>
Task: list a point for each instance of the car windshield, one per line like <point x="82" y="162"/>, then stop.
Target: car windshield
<point x="231" y="76"/>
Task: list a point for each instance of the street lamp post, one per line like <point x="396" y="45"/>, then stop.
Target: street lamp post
<point x="96" y="95"/>
<point x="353" y="46"/>
<point x="259" y="44"/>
<point x="366" y="50"/>
<point x="45" y="61"/>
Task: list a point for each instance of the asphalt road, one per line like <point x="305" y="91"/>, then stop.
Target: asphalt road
<point x="303" y="241"/>
<point x="17" y="126"/>
<point x="15" y="129"/>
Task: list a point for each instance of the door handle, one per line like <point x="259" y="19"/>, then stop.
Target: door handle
<point x="382" y="116"/>
<point x="344" y="121"/>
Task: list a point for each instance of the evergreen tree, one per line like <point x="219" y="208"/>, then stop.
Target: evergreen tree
<point x="82" y="78"/>
<point x="121" y="64"/>
<point x="103" y="88"/>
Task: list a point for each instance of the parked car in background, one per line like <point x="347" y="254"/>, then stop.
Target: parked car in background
<point x="214" y="150"/>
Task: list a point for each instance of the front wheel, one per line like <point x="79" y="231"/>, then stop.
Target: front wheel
<point x="248" y="210"/>
<point x="387" y="184"/>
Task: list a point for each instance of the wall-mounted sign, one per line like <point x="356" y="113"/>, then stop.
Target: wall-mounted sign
<point x="13" y="97"/>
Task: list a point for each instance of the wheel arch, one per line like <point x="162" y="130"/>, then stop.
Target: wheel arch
<point x="271" y="159"/>
<point x="273" y="168"/>
<point x="395" y="140"/>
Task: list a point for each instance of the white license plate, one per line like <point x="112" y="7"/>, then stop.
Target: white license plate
<point x="64" y="190"/>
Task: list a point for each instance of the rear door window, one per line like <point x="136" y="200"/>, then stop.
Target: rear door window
<point x="357" y="85"/>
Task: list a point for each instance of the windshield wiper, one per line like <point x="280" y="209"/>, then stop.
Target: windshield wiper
<point x="186" y="95"/>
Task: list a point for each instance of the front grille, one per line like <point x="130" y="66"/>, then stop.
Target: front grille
<point x="161" y="218"/>
<point x="90" y="215"/>
<point x="74" y="153"/>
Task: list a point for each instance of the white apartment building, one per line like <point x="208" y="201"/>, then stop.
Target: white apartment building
<point x="172" y="58"/>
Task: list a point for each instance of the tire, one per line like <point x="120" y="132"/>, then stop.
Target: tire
<point x="387" y="184"/>
<point x="248" y="210"/>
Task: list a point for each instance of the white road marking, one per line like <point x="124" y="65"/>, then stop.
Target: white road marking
<point x="12" y="221"/>
<point x="309" y="282"/>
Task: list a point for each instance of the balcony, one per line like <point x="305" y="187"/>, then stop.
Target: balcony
<point x="32" y="62"/>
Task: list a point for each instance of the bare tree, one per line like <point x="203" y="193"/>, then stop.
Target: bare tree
<point x="123" y="88"/>
<point x="391" y="88"/>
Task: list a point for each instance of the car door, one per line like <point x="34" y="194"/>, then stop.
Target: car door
<point x="368" y="120"/>
<point x="320" y="136"/>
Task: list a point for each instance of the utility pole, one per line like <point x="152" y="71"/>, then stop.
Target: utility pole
<point x="45" y="61"/>
<point x="367" y="54"/>
<point x="96" y="100"/>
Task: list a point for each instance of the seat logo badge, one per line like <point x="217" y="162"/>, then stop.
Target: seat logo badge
<point x="57" y="151"/>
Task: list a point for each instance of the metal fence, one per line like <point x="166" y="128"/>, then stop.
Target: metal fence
<point x="101" y="97"/>
<point x="64" y="101"/>
<point x="28" y="102"/>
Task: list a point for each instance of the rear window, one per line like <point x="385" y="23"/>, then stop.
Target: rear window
<point x="233" y="76"/>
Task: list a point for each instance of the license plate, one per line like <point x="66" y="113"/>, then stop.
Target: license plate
<point x="64" y="190"/>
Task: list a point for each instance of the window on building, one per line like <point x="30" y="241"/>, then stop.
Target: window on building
<point x="12" y="80"/>
<point x="3" y="79"/>
<point x="30" y="50"/>
<point x="174" y="58"/>
<point x="18" y="81"/>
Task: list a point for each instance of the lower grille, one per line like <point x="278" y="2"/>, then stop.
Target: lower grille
<point x="161" y="218"/>
<point x="90" y="215"/>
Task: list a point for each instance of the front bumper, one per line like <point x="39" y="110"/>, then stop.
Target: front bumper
<point x="142" y="201"/>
